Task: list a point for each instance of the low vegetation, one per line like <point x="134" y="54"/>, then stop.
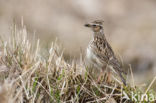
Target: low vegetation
<point x="26" y="76"/>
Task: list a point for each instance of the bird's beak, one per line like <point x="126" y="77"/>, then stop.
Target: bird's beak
<point x="87" y="25"/>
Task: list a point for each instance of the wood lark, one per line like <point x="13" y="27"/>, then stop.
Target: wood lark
<point x="100" y="53"/>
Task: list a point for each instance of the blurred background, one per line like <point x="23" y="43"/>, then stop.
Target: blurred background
<point x="130" y="27"/>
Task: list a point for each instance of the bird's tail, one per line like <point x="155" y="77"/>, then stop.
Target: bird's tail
<point x="122" y="78"/>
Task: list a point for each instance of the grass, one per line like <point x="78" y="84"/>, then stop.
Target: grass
<point x="26" y="76"/>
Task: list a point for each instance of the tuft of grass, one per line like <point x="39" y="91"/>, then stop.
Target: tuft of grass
<point x="29" y="77"/>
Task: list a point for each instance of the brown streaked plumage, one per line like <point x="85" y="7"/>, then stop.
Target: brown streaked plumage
<point x="99" y="51"/>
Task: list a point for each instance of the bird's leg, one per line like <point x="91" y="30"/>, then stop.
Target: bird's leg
<point x="102" y="73"/>
<point x="99" y="77"/>
<point x="109" y="77"/>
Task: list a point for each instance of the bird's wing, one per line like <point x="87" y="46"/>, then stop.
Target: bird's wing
<point x="106" y="54"/>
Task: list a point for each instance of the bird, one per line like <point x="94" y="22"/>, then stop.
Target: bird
<point x="100" y="53"/>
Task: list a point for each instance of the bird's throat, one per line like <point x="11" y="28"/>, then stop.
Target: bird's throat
<point x="99" y="34"/>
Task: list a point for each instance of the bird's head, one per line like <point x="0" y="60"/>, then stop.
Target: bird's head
<point x="96" y="25"/>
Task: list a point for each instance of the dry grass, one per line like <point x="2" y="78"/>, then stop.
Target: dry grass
<point x="28" y="77"/>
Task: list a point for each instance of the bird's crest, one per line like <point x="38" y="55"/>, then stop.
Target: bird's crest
<point x="100" y="22"/>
